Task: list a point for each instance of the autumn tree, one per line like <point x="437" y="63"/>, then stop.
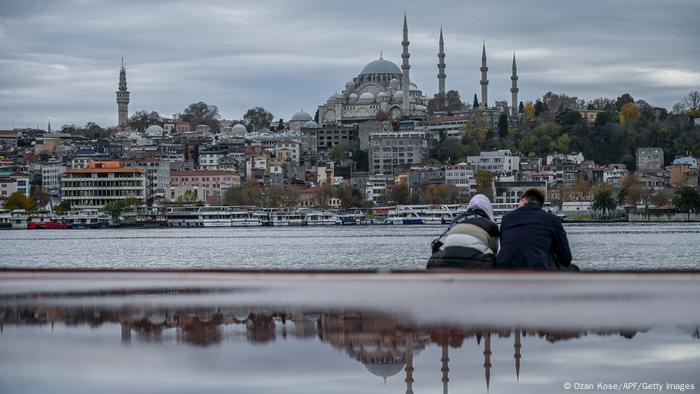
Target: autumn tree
<point x="257" y="119"/>
<point x="18" y="200"/>
<point x="484" y="183"/>
<point x="628" y="113"/>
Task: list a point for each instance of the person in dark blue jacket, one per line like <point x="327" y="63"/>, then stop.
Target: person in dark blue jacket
<point x="533" y="239"/>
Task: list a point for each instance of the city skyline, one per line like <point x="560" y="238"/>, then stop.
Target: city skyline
<point x="290" y="56"/>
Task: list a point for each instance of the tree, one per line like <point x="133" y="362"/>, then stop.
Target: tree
<point x="340" y="151"/>
<point x="280" y="125"/>
<point x="18" y="200"/>
<point x="622" y="100"/>
<point x="521" y="108"/>
<point x="633" y="189"/>
<point x="63" y="207"/>
<point x="140" y="120"/>
<point x="398" y="193"/>
<point x="202" y="113"/>
<point x="539" y="107"/>
<point x="257" y="119"/>
<point x="381" y="116"/>
<point x="323" y="194"/>
<point x="503" y="126"/>
<point x="452" y="101"/>
<point x="115" y="208"/>
<point x="529" y="110"/>
<point x="628" y="113"/>
<point x="40" y="197"/>
<point x="603" y="201"/>
<point x="246" y="194"/>
<point x="350" y="196"/>
<point x="484" y="183"/>
<point x="686" y="199"/>
<point x="437" y="103"/>
<point x="476" y="102"/>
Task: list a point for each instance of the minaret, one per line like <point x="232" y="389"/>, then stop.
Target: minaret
<point x="406" y="82"/>
<point x="49" y="131"/>
<point x="484" y="81"/>
<point x="122" y="97"/>
<point x="441" y="67"/>
<point x="517" y="354"/>
<point x="487" y="359"/>
<point x="514" y="89"/>
<point x="409" y="364"/>
<point x="445" y="367"/>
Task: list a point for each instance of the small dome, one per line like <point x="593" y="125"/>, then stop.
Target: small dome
<point x="352" y="98"/>
<point x="385" y="370"/>
<point x="395" y="83"/>
<point x="301" y="116"/>
<point x="398" y="94"/>
<point x="311" y="125"/>
<point x="380" y="66"/>
<point x="421" y="108"/>
<point x="366" y="98"/>
<point x="154" y="131"/>
<point x="239" y="129"/>
<point x="350" y="85"/>
<point x="383" y="97"/>
<point x="414" y="86"/>
<point x="336" y="98"/>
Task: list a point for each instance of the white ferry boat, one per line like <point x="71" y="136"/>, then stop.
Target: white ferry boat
<point x="228" y="217"/>
<point x="404" y="216"/>
<point x="183" y="217"/>
<point x="286" y="219"/>
<point x="19" y="218"/>
<point x="321" y="219"/>
<point x="5" y="218"/>
<point x="420" y="214"/>
<point x="87" y="219"/>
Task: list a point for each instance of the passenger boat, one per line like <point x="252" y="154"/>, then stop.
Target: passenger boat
<point x="419" y="214"/>
<point x="183" y="216"/>
<point x="321" y="219"/>
<point x="19" y="219"/>
<point x="403" y="216"/>
<point x="5" y="218"/>
<point x="45" y="221"/>
<point x="143" y="217"/>
<point x="228" y="217"/>
<point x="286" y="219"/>
<point x="88" y="219"/>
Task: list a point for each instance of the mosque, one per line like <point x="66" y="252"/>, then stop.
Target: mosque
<point x="384" y="86"/>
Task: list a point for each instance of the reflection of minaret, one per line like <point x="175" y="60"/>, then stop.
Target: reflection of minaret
<point x="441" y="67"/>
<point x="484" y="81"/>
<point x="409" y="364"/>
<point x="514" y="89"/>
<point x="487" y="359"/>
<point x="406" y="82"/>
<point x="445" y="367"/>
<point x="122" y="97"/>
<point x="517" y="355"/>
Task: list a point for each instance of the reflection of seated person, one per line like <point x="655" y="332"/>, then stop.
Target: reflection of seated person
<point x="471" y="241"/>
<point x="532" y="238"/>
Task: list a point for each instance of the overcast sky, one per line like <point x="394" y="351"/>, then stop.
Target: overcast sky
<point x="59" y="60"/>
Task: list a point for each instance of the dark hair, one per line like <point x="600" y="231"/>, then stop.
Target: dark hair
<point x="533" y="195"/>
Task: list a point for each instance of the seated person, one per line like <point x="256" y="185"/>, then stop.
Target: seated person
<point x="532" y="238"/>
<point x="471" y="241"/>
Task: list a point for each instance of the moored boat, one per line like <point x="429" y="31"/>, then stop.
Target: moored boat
<point x="45" y="221"/>
<point x="88" y="219"/>
<point x="321" y="219"/>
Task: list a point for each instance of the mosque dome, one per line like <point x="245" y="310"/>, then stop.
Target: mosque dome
<point x="380" y="66"/>
<point x="350" y="85"/>
<point x="414" y="86"/>
<point x="154" y="131"/>
<point x="395" y="83"/>
<point x="311" y="125"/>
<point x="352" y="98"/>
<point x="239" y="129"/>
<point x="421" y="108"/>
<point x="301" y="116"/>
<point x="383" y="97"/>
<point x="366" y="98"/>
<point x="385" y="370"/>
<point x="398" y="95"/>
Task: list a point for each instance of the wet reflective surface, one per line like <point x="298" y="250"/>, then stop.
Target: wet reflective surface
<point x="150" y="332"/>
<point x="613" y="246"/>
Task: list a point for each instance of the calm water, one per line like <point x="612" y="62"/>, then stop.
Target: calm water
<point x="595" y="247"/>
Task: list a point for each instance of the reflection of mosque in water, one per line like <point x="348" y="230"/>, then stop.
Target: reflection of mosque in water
<point x="384" y="344"/>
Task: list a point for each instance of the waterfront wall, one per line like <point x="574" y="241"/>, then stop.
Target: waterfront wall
<point x="662" y="217"/>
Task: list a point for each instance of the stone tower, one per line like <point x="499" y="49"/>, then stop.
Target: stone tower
<point x="514" y="89"/>
<point x="122" y="97"/>
<point x="406" y="82"/>
<point x="441" y="67"/>
<point x="484" y="80"/>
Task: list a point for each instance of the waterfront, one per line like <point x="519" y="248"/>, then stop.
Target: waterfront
<point x="619" y="246"/>
<point x="370" y="333"/>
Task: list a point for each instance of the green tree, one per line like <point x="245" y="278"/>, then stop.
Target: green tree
<point x="475" y="104"/>
<point x="503" y="126"/>
<point x="116" y="207"/>
<point x="280" y="125"/>
<point x="188" y="197"/>
<point x="453" y="102"/>
<point x="18" y="200"/>
<point x="257" y="119"/>
<point x="622" y="100"/>
<point x="140" y="120"/>
<point x="246" y="194"/>
<point x="63" y="207"/>
<point x="603" y="201"/>
<point x="484" y="183"/>
<point x="686" y="199"/>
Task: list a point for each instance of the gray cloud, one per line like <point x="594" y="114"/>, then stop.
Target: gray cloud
<point x="60" y="59"/>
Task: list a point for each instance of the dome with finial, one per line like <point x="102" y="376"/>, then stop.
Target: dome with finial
<point x="239" y="129"/>
<point x="380" y="66"/>
<point x="311" y="125"/>
<point x="301" y="116"/>
<point x="352" y="98"/>
<point x="395" y="84"/>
